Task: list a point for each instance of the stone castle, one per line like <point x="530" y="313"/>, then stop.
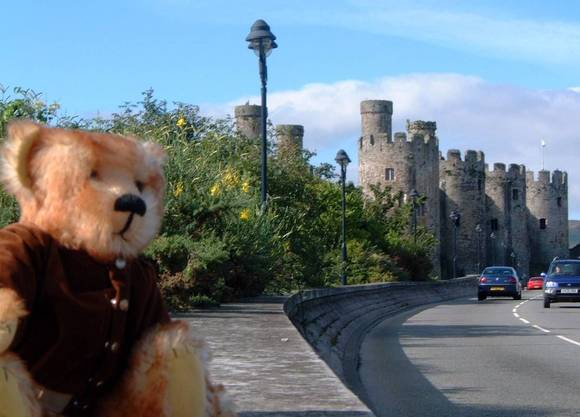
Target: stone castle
<point x="508" y="215"/>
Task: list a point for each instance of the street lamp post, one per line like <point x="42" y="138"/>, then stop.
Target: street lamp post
<point x="492" y="237"/>
<point x="414" y="195"/>
<point x="478" y="230"/>
<point x="262" y="42"/>
<point x="343" y="160"/>
<point x="455" y="218"/>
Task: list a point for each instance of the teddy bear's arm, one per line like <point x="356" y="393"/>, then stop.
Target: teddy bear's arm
<point x="23" y="251"/>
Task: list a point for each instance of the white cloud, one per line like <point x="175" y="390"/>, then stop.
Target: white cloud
<point x="506" y="122"/>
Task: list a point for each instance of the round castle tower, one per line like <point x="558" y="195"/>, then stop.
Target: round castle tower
<point x="290" y="139"/>
<point x="248" y="120"/>
<point x="507" y="232"/>
<point x="547" y="202"/>
<point x="518" y="247"/>
<point x="403" y="163"/>
<point x="462" y="184"/>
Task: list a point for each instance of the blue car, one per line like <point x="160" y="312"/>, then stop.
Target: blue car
<point x="499" y="281"/>
<point x="562" y="282"/>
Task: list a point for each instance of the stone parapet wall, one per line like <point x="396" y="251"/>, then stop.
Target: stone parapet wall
<point x="334" y="321"/>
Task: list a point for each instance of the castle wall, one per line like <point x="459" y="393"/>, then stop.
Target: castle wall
<point x="547" y="199"/>
<point x="462" y="189"/>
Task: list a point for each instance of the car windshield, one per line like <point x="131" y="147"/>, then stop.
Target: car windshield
<point x="565" y="268"/>
<point x="498" y="271"/>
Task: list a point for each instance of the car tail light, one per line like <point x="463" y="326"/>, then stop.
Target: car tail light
<point x="483" y="280"/>
<point x="513" y="280"/>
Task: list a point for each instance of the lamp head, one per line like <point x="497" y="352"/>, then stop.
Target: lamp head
<point x="260" y="35"/>
<point x="342" y="158"/>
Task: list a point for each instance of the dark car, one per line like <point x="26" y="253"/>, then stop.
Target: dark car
<point x="499" y="281"/>
<point x="562" y="282"/>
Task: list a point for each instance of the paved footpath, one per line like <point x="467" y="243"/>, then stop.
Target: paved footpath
<point x="266" y="365"/>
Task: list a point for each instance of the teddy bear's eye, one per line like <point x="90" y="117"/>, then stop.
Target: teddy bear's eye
<point x="140" y="186"/>
<point x="94" y="174"/>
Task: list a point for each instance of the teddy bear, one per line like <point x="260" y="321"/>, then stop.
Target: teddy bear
<point x="83" y="328"/>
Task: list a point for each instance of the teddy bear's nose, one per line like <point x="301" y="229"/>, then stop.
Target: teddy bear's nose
<point x="131" y="203"/>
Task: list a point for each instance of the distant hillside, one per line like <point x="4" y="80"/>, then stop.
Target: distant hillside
<point x="574" y="226"/>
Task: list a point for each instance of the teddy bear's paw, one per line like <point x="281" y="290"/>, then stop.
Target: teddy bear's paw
<point x="219" y="403"/>
<point x="11" y="309"/>
<point x="17" y="397"/>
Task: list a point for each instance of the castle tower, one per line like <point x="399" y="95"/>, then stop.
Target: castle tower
<point x="403" y="163"/>
<point x="507" y="230"/>
<point x="496" y="208"/>
<point x="462" y="184"/>
<point x="374" y="143"/>
<point x="248" y="120"/>
<point x="518" y="242"/>
<point x="290" y="139"/>
<point x="547" y="201"/>
<point x="425" y="166"/>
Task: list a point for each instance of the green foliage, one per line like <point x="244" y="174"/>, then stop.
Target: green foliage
<point x="216" y="243"/>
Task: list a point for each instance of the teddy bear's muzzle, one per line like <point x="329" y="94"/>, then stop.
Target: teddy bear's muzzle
<point x="131" y="203"/>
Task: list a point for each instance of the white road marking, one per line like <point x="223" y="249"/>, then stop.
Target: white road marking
<point x="541" y="328"/>
<point x="568" y="340"/>
<point x="535" y="326"/>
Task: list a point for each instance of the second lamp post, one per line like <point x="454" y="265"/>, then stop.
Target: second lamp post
<point x="455" y="218"/>
<point x="343" y="160"/>
<point x="262" y="42"/>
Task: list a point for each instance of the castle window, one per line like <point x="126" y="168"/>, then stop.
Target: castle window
<point x="493" y="224"/>
<point x="559" y="201"/>
<point x="479" y="184"/>
<point x="390" y="174"/>
<point x="515" y="194"/>
<point x="542" y="224"/>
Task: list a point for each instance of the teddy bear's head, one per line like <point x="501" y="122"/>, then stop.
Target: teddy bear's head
<point x="101" y="193"/>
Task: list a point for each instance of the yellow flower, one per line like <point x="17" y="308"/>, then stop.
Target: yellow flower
<point x="179" y="188"/>
<point x="215" y="190"/>
<point x="231" y="178"/>
<point x="245" y="214"/>
<point x="246" y="187"/>
<point x="181" y="122"/>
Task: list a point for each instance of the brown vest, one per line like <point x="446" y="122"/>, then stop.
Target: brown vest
<point x="85" y="316"/>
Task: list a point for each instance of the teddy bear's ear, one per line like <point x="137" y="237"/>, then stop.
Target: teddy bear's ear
<point x="155" y="152"/>
<point x="22" y="135"/>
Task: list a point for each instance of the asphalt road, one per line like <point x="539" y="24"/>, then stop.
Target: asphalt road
<point x="466" y="358"/>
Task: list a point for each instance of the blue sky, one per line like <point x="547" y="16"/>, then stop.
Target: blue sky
<point x="496" y="75"/>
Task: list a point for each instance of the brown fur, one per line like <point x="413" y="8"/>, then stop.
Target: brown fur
<point x="34" y="158"/>
<point x="143" y="392"/>
<point x="11" y="306"/>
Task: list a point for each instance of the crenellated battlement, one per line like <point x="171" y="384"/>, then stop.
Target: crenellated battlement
<point x="471" y="157"/>
<point x="557" y="178"/>
<point x="378" y="142"/>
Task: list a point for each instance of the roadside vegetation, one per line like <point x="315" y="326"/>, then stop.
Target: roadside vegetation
<point x="216" y="245"/>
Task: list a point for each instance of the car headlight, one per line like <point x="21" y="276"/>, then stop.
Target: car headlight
<point x="551" y="284"/>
